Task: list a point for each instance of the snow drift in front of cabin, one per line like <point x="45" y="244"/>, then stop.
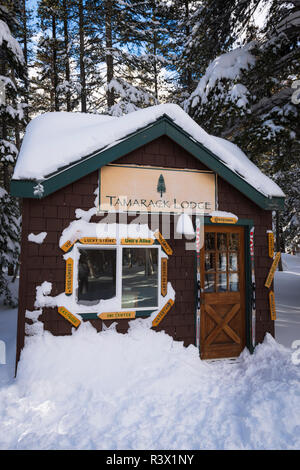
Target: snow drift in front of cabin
<point x="55" y="140"/>
<point x="143" y="390"/>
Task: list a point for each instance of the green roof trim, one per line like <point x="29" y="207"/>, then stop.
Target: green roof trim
<point x="163" y="126"/>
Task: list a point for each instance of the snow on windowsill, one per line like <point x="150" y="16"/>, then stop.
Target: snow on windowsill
<point x="79" y="229"/>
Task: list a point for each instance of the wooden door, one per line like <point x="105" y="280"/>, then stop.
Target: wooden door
<point x="222" y="328"/>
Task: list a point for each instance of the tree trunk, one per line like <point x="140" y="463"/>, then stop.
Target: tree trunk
<point x="3" y="128"/>
<point x="54" y="64"/>
<point x="25" y="52"/>
<point x="81" y="58"/>
<point x="108" y="55"/>
<point x="155" y="65"/>
<point x="187" y="32"/>
<point x="66" y="46"/>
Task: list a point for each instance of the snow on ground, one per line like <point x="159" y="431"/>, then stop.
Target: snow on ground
<point x="143" y="390"/>
<point x="287" y="294"/>
<point x="8" y="329"/>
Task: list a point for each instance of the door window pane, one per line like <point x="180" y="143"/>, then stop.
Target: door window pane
<point x="234" y="282"/>
<point x="221" y="282"/>
<point x="210" y="241"/>
<point x="233" y="242"/>
<point x="96" y="275"/>
<point x="209" y="261"/>
<point x="233" y="262"/>
<point x="222" y="241"/>
<point x="222" y="261"/>
<point x="139" y="277"/>
<point x="209" y="283"/>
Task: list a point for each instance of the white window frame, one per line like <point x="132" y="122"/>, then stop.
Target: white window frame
<point x="119" y="281"/>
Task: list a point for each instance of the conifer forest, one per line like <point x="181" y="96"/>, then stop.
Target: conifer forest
<point x="232" y="65"/>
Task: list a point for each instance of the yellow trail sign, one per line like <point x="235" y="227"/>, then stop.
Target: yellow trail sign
<point x="67" y="245"/>
<point x="69" y="316"/>
<point x="69" y="276"/>
<point x="98" y="241"/>
<point x="272" y="305"/>
<point x="164" y="276"/>
<point x="116" y="315"/>
<point x="223" y="220"/>
<point x="137" y="241"/>
<point x="272" y="270"/>
<point x="163" y="243"/>
<point x="163" y="312"/>
<point x="271" y="244"/>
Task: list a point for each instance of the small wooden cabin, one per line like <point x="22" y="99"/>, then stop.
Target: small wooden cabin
<point x="83" y="179"/>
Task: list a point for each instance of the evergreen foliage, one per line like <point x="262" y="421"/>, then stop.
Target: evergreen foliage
<point x="236" y="75"/>
<point x="245" y="95"/>
<point x="9" y="243"/>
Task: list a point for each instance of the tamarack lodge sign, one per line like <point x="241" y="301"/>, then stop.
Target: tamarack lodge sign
<point x="134" y="188"/>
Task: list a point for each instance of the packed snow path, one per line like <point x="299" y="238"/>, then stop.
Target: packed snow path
<point x="8" y="329"/>
<point x="287" y="293"/>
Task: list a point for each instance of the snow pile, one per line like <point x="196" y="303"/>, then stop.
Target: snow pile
<point x="287" y="294"/>
<point x="38" y="238"/>
<point x="82" y="228"/>
<point x="64" y="138"/>
<point x="185" y="225"/>
<point x="142" y="390"/>
<point x="36" y="327"/>
<point x="223" y="214"/>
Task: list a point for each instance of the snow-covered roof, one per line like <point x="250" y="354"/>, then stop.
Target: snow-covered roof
<point x="57" y="140"/>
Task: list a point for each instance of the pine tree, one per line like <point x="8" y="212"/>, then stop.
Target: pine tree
<point x="11" y="117"/>
<point x="48" y="64"/>
<point x="132" y="61"/>
<point x="9" y="242"/>
<point x="245" y="95"/>
<point x="11" y="76"/>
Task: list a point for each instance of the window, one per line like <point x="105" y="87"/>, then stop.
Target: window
<point x="96" y="275"/>
<point x="129" y="273"/>
<point x="139" y="277"/>
<point x="221" y="262"/>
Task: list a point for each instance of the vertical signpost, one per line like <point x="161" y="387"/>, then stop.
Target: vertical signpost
<point x="198" y="312"/>
<point x="272" y="271"/>
<point x="272" y="305"/>
<point x="164" y="277"/>
<point x="253" y="300"/>
<point x="271" y="244"/>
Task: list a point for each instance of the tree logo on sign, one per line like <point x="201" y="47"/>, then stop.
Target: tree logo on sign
<point x="161" y="185"/>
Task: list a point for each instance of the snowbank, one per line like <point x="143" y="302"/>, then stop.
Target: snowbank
<point x="287" y="295"/>
<point x="143" y="390"/>
<point x="64" y="138"/>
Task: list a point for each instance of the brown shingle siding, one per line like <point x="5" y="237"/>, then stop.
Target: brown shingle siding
<point x="54" y="213"/>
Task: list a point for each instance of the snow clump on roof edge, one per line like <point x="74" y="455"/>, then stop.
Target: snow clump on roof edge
<point x="55" y="140"/>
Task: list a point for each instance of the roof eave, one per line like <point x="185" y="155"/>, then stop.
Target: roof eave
<point x="163" y="126"/>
